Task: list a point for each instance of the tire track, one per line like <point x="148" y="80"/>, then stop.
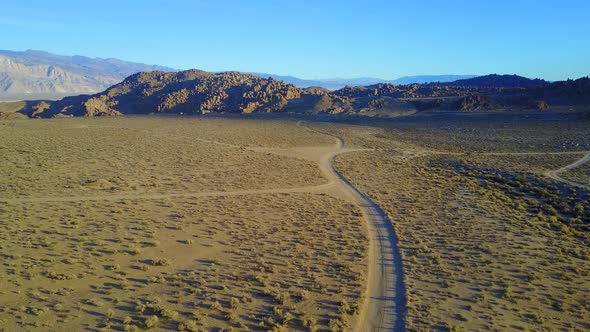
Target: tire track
<point x="384" y="308"/>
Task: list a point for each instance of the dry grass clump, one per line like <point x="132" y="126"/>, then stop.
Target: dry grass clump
<point x="484" y="247"/>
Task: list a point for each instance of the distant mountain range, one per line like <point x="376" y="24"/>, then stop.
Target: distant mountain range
<point x="339" y="83"/>
<point x="37" y="74"/>
<point x="507" y="81"/>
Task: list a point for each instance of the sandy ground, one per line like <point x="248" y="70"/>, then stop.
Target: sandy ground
<point x="276" y="225"/>
<point x="488" y="240"/>
<point x="379" y="300"/>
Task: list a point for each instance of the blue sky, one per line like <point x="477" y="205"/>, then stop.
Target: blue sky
<point x="315" y="39"/>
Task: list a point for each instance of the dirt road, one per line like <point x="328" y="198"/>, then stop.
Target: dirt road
<point x="385" y="303"/>
<point x="384" y="306"/>
<point x="555" y="174"/>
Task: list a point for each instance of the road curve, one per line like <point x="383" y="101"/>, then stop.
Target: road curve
<point x="384" y="308"/>
<point x="555" y="174"/>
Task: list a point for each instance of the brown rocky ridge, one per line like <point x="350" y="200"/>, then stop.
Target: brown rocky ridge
<point x="200" y="92"/>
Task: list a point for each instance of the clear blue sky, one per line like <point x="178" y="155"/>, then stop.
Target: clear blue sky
<point x="315" y="39"/>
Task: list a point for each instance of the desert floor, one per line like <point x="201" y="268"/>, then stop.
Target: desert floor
<point x="493" y="219"/>
<point x="190" y="223"/>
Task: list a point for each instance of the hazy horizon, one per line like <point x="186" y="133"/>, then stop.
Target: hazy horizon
<point x="304" y="78"/>
<point x="382" y="39"/>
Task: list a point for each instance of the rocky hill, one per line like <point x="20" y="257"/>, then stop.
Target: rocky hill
<point x="185" y="92"/>
<point x="36" y="74"/>
<point x="500" y="81"/>
<point x="200" y="92"/>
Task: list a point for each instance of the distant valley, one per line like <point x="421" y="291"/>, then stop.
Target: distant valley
<point x="339" y="83"/>
<point x="40" y="75"/>
<point x="32" y="74"/>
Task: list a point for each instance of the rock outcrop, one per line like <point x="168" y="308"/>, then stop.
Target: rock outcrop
<point x="186" y="92"/>
<point x="200" y="92"/>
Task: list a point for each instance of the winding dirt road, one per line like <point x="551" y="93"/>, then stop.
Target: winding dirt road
<point x="385" y="302"/>
<point x="555" y="174"/>
<point x="384" y="305"/>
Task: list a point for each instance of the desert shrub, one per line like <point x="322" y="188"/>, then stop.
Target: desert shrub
<point x="231" y="316"/>
<point x="151" y="321"/>
<point x="234" y="302"/>
<point x="311" y="324"/>
<point x="94" y="302"/>
<point x="343" y="306"/>
<point x="160" y="262"/>
<point x="216" y="305"/>
<point x="335" y="325"/>
<point x="129" y="328"/>
<point x="301" y="295"/>
<point x="188" y="325"/>
<point x="140" y="307"/>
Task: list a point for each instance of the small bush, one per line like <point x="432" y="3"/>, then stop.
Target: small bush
<point x="150" y="322"/>
<point x="234" y="302"/>
<point x="216" y="305"/>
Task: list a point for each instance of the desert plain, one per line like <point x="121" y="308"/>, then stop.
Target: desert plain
<point x="237" y="224"/>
